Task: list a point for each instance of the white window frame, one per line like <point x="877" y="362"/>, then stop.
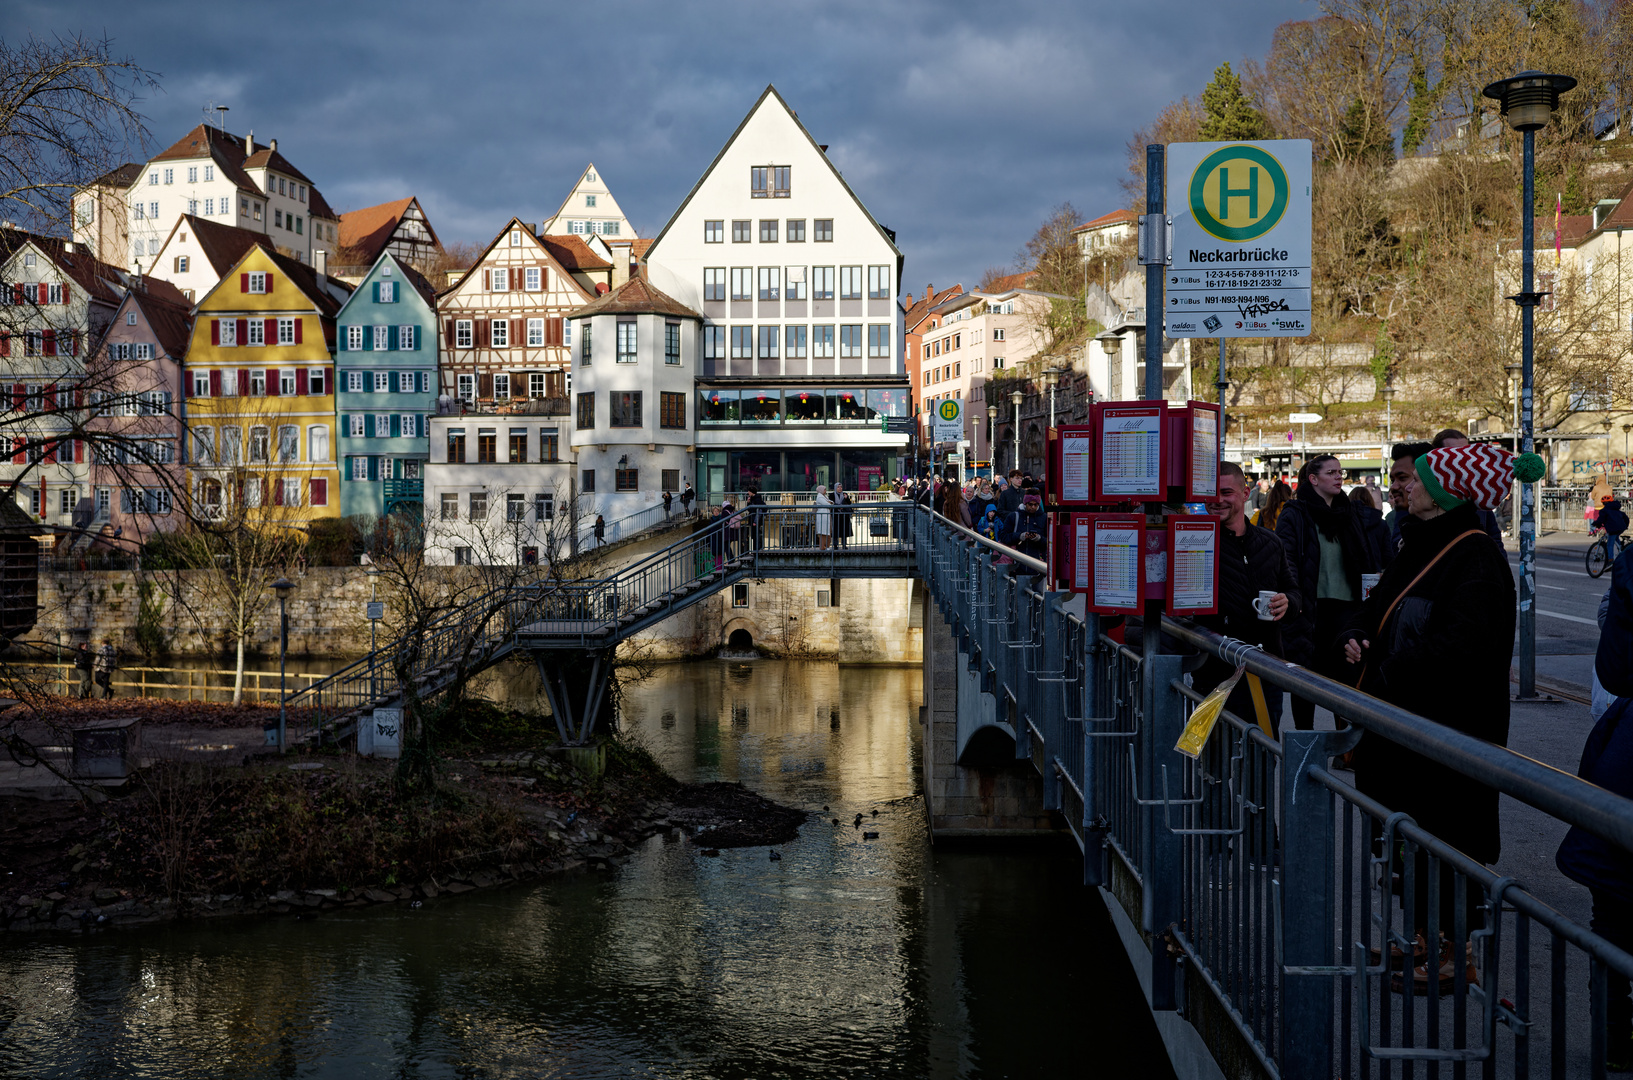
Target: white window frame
<point x="535" y="332"/>
<point x="496" y="276"/>
<point x="382" y="425"/>
<point x="407" y="333"/>
<point x="410" y="426"/>
<point x="317" y="443"/>
<point x="533" y="279"/>
<point x="466" y="385"/>
<point x="388" y="292"/>
<point x="229" y="333"/>
<point x="292" y="492"/>
<point x="497" y="329"/>
<point x="382" y="382"/>
<point x="354" y="426"/>
<point x="257" y="280"/>
<point x="286" y="331"/>
<point x="382" y="338"/>
<point x="257" y="332"/>
<point x="289" y="435"/>
<point x="464" y="333"/>
<point x="501" y="386"/>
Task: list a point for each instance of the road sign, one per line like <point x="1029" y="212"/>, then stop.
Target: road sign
<point x="1305" y="418"/>
<point x="376" y="609"/>
<point x="1239" y="260"/>
<point x="896" y="425"/>
<point x="949" y="422"/>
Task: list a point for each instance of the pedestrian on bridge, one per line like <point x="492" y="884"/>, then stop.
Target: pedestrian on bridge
<point x="824" y="516"/>
<point x="1331" y="546"/>
<point x="1607" y="760"/>
<point x="842" y="517"/>
<point x="1252" y="561"/>
<point x="1435" y="638"/>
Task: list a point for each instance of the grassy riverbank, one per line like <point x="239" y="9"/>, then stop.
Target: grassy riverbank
<point x="305" y="833"/>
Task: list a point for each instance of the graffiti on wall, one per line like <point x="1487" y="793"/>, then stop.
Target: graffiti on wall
<point x="1619" y="466"/>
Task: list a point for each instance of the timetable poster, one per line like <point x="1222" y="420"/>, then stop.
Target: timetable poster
<point x="1193" y="579"/>
<point x="1130" y="465"/>
<point x="1115" y="543"/>
<point x="1203" y="482"/>
<point x="1082" y="565"/>
<point x="1076" y="453"/>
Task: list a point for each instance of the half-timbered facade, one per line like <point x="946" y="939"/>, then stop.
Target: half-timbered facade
<point x="503" y="336"/>
<point x="259" y="381"/>
<point x="399" y="227"/>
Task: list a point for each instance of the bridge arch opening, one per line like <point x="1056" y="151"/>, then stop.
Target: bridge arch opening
<point x="740" y="640"/>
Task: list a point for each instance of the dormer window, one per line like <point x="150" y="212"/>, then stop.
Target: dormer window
<point x="257" y="283"/>
<point x="589" y="200"/>
<point x="590" y="176"/>
<point x="515" y="238"/>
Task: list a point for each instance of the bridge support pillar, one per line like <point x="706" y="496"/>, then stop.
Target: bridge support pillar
<point x="974" y="788"/>
<point x="578" y="686"/>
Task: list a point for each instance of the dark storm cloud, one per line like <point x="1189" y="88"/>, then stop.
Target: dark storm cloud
<point x="960" y="125"/>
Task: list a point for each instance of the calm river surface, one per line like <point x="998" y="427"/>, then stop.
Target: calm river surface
<point x="844" y="959"/>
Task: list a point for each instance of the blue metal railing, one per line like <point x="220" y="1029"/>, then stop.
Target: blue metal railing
<point x="1270" y="891"/>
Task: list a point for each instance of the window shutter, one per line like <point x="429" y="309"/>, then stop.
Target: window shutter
<point x="517" y="327"/>
<point x="396" y="426"/>
<point x="272" y="382"/>
<point x="243" y="382"/>
<point x="50" y="457"/>
<point x="215" y="331"/>
<point x="277" y="491"/>
<point x="243" y="331"/>
<point x="269" y="282"/>
<point x="448" y="330"/>
<point x="320" y="491"/>
<point x="368" y="426"/>
<point x="300" y="382"/>
<point x="41" y="292"/>
<point x="414" y="338"/>
<point x="298" y="322"/>
<point x="79" y="452"/>
<point x="340" y="339"/>
<point x="484" y="385"/>
<point x="73" y="343"/>
<point x="243" y="283"/>
<point x="555" y="328"/>
<point x="18" y="394"/>
<point x="481" y="327"/>
<point x="374" y="466"/>
<point x="368" y="339"/>
<point x="376" y="292"/>
<point x="51" y="396"/>
<point x="391" y="338"/>
<point x="168" y="399"/>
<point x="271" y="331"/>
<point x="5" y="344"/>
<point x="48" y="341"/>
<point x="544" y="278"/>
<point x="215" y="383"/>
<point x="17" y="456"/>
<point x="518" y="384"/>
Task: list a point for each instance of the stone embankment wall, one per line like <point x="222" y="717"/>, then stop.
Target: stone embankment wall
<point x="327" y="615"/>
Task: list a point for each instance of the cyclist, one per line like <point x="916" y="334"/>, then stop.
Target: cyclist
<point x="1613" y="520"/>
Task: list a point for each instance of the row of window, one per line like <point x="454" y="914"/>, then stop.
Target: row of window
<point x="43" y="343"/>
<point x="793" y="230"/>
<point x="405" y="338"/>
<point x="624" y="409"/>
<point x="517" y="278"/>
<point x="605" y="228"/>
<point x="776" y="405"/>
<point x="933" y="349"/>
<point x="778" y="282"/>
<point x="384" y="425"/>
<point x="628" y="343"/>
<point x="794" y="342"/>
<point x="254" y="333"/>
<point x="36" y="292"/>
<point x="232" y="449"/>
<point x="487" y="446"/>
<point x="387" y="382"/>
<point x="374" y="467"/>
<point x="259" y="382"/>
<point x="544" y="509"/>
<point x="501" y="334"/>
<point x="192" y="175"/>
<point x="280" y="491"/>
<point x="942" y="373"/>
<point x="626" y="479"/>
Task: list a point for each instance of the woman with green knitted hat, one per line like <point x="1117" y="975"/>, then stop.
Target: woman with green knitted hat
<point x="1435" y="638"/>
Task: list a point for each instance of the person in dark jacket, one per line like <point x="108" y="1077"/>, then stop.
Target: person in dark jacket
<point x="1451" y="437"/>
<point x="1029" y="528"/>
<point x="1403" y="463"/>
<point x="842" y="516"/>
<point x="1009" y="500"/>
<point x="1330" y="546"/>
<point x="1607" y="761"/>
<point x="1435" y="638"/>
<point x="991" y="525"/>
<point x="1251" y="560"/>
<point x="754" y="520"/>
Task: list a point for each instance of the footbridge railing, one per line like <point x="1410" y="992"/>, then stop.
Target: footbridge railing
<point x="1300" y="927"/>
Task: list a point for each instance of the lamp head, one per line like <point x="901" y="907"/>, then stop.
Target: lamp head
<point x="1016" y="397"/>
<point x="1051" y="376"/>
<point x="992" y="412"/>
<point x="1387" y="393"/>
<point x="283" y="587"/>
<point x="1529" y="99"/>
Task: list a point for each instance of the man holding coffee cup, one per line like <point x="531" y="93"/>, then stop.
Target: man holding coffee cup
<point x="1257" y="590"/>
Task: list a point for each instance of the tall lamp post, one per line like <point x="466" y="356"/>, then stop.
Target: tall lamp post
<point x="1388" y="394"/>
<point x="992" y="440"/>
<point x="1051" y="377"/>
<point x="1528" y="101"/>
<point x="283" y="587"/>
<point x="1015" y="397"/>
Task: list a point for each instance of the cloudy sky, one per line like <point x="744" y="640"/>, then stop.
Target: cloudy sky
<point x="959" y="124"/>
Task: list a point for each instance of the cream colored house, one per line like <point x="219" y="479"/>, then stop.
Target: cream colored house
<point x="589" y="210"/>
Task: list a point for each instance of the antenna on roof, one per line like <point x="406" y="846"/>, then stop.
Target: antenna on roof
<point x="220" y="115"/>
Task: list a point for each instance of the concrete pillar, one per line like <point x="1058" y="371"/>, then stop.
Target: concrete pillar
<point x="987" y="795"/>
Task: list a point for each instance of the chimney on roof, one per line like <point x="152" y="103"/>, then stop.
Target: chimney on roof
<point x="274" y="146"/>
<point x="249" y="142"/>
<point x="320" y="262"/>
<point x="930" y="294"/>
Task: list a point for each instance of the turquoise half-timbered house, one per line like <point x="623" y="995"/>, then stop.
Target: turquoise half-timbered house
<point x="385" y="389"/>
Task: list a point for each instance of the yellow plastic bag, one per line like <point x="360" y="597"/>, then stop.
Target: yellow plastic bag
<point x="1205" y="716"/>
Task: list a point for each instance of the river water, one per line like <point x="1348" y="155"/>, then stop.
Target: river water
<point x="846" y="958"/>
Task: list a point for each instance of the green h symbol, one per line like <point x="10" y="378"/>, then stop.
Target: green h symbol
<point x="1250" y="193"/>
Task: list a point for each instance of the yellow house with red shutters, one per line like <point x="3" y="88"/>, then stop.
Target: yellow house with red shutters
<point x="259" y="391"/>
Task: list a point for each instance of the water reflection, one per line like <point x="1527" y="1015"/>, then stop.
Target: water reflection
<point x="846" y="958"/>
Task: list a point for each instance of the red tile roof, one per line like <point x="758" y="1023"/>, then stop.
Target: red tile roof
<point x="320" y="206"/>
<point x="171" y="320"/>
<point x="222" y="147"/>
<point x="222" y="244"/>
<point x="574" y="254"/>
<point x="122" y="177"/>
<point x="1011" y="281"/>
<point x="1113" y="218"/>
<point x="99" y="280"/>
<point x="267" y="158"/>
<point x="364" y="233"/>
<point x="635" y="296"/>
<point x="921" y="307"/>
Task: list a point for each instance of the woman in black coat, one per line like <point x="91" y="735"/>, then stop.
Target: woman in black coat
<point x="1435" y="638"/>
<point x="1330" y="546"/>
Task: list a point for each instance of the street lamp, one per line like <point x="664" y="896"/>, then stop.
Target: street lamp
<point x="992" y="440"/>
<point x="1610" y="451"/>
<point x="1051" y="376"/>
<point x="283" y="587"/>
<point x="1626" y="429"/>
<point x="374" y="620"/>
<point x="1528" y="101"/>
<point x="1015" y="397"/>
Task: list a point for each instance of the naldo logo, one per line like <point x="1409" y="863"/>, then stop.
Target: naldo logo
<point x="1239" y="193"/>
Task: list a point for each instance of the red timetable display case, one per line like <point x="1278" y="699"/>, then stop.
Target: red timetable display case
<point x="1129" y="438"/>
<point x="1070" y="466"/>
<point x="1191" y="450"/>
<point x="1105" y="560"/>
<point x="1192" y="587"/>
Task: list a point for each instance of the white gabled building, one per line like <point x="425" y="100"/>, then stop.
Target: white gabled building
<point x="589" y="210"/>
<point x="797" y="283"/>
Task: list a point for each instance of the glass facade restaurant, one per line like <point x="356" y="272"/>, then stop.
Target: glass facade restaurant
<point x="799" y="406"/>
<point x="796" y="471"/>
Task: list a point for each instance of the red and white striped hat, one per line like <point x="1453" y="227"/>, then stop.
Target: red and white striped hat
<point x="1480" y="473"/>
